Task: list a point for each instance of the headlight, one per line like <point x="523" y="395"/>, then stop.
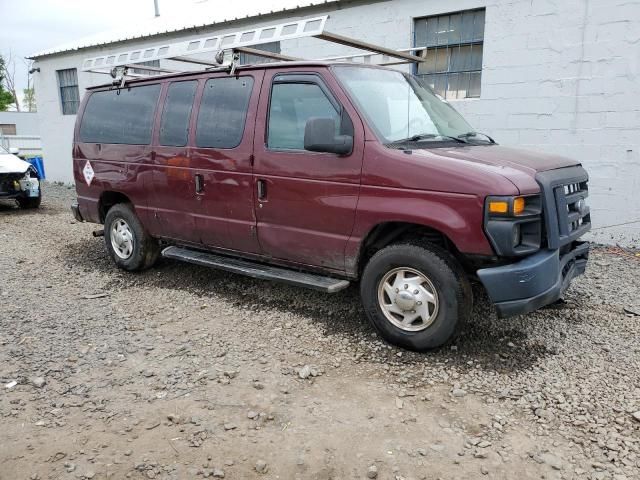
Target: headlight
<point x="513" y="206"/>
<point x="513" y="224"/>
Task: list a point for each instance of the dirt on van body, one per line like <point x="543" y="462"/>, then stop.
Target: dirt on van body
<point x="186" y="372"/>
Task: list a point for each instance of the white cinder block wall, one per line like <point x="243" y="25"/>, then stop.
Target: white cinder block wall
<point x="558" y="76"/>
<point x="27" y="123"/>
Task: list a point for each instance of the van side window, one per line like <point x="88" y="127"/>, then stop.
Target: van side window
<point x="122" y="116"/>
<point x="174" y="128"/>
<point x="292" y="104"/>
<point x="223" y="111"/>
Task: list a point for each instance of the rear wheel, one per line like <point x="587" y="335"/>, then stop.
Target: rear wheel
<point x="29" y="202"/>
<point x="416" y="296"/>
<point x="129" y="244"/>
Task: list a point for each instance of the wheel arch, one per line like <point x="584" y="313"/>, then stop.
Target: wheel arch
<point x="386" y="233"/>
<point x="108" y="199"/>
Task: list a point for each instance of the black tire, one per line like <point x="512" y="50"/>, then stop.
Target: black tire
<point x="145" y="250"/>
<point x="455" y="298"/>
<point x="29" y="202"/>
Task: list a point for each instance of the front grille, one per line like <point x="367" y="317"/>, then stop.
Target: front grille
<point x="573" y="213"/>
<point x="564" y="192"/>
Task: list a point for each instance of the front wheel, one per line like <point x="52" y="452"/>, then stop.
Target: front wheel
<point x="416" y="296"/>
<point x="128" y="243"/>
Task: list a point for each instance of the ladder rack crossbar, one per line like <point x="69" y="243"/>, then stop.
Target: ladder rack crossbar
<point x="373" y="54"/>
<point x="265" y="54"/>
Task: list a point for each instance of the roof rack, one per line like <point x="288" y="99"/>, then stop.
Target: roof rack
<point x="224" y="50"/>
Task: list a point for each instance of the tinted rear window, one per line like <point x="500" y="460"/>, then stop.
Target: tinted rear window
<point x="174" y="129"/>
<point x="120" y="116"/>
<point x="223" y="111"/>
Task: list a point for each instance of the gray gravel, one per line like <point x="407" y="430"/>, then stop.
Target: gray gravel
<point x="185" y="372"/>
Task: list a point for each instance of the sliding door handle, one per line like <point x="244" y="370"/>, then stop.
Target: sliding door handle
<point x="199" y="183"/>
<point x="262" y="190"/>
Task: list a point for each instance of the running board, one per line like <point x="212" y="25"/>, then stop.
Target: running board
<point x="256" y="270"/>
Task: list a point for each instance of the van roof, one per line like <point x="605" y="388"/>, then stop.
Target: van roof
<point x="257" y="66"/>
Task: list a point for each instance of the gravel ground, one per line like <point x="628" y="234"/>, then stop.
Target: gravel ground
<point x="186" y="372"/>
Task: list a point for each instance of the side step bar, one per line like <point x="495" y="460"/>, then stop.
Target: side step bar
<point x="256" y="270"/>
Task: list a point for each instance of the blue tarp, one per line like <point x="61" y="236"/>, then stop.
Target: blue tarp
<point x="38" y="164"/>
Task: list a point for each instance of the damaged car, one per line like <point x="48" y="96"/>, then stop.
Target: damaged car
<point x="19" y="180"/>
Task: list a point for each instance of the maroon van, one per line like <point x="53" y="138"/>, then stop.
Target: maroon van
<point x="318" y="174"/>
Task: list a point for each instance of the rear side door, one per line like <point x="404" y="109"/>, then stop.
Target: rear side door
<point x="175" y="202"/>
<point x="305" y="201"/>
<point x="222" y="158"/>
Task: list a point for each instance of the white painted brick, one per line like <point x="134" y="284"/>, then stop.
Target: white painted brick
<point x="621" y="119"/>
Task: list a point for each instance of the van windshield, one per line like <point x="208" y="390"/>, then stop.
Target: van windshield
<point x="401" y="107"/>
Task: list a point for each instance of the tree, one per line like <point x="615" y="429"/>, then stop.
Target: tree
<point x="29" y="99"/>
<point x="6" y="99"/>
<point x="8" y="96"/>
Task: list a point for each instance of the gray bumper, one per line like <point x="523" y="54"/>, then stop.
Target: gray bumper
<point x="535" y="281"/>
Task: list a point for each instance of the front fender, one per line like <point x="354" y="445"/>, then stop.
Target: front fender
<point x="457" y="216"/>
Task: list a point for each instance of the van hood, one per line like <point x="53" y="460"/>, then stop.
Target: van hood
<point x="527" y="162"/>
<point x="12" y="164"/>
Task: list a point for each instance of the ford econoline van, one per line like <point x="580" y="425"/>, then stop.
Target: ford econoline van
<point x="319" y="174"/>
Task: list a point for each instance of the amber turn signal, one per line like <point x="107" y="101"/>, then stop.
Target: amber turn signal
<point x="518" y="205"/>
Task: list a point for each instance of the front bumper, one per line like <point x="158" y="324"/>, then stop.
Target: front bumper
<point x="535" y="281"/>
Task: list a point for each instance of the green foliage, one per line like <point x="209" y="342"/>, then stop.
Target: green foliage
<point x="30" y="99"/>
<point x="6" y="98"/>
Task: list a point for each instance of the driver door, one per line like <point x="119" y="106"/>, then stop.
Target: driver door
<point x="305" y="202"/>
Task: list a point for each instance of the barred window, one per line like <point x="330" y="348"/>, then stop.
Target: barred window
<point x="454" y="42"/>
<point x="69" y="94"/>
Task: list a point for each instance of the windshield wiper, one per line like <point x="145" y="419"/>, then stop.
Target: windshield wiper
<point x="425" y="136"/>
<point x="475" y="134"/>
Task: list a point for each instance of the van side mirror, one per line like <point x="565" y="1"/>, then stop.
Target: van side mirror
<point x="320" y="136"/>
<point x="14" y="150"/>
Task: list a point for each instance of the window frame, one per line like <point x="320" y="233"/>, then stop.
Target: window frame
<point x="448" y="73"/>
<point x="309" y="79"/>
<point x="76" y="86"/>
<point x="165" y="99"/>
<point x="154" y="113"/>
<point x="199" y="100"/>
<point x="10" y="127"/>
